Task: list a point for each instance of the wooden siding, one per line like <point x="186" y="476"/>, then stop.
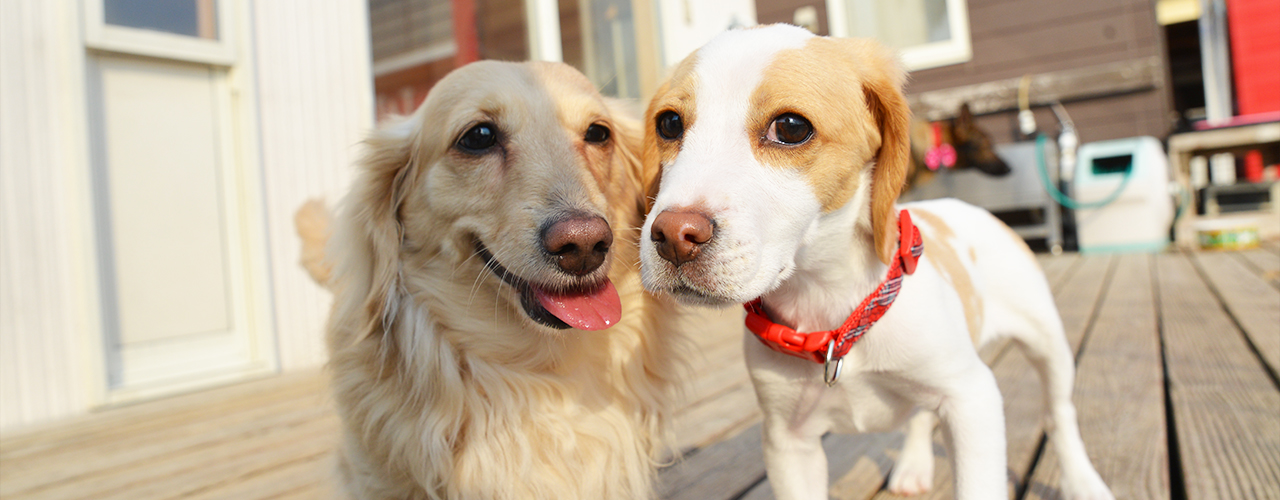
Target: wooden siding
<point x="41" y="144"/>
<point x="1014" y="38"/>
<point x="783" y="11"/>
<point x="407" y="25"/>
<point x="501" y="30"/>
<point x="315" y="97"/>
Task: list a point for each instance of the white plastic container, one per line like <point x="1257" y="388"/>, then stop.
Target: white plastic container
<point x="1139" y="218"/>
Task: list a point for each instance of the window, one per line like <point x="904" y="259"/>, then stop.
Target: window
<point x="928" y="33"/>
<point x="188" y="30"/>
<point x="599" y="38"/>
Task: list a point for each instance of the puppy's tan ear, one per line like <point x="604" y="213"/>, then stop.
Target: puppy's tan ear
<point x="370" y="233"/>
<point x="882" y="85"/>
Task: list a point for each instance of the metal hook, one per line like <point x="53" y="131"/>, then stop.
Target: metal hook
<point x="827" y="376"/>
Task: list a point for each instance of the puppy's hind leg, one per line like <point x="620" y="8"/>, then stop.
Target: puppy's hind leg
<point x="1046" y="347"/>
<point x="912" y="474"/>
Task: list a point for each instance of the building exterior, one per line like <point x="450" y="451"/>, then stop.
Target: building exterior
<point x="152" y="154"/>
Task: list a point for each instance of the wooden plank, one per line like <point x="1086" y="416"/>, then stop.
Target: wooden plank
<point x="1119" y="406"/>
<point x="1057" y="267"/>
<point x="857" y="464"/>
<point x="719" y="471"/>
<point x="310" y="475"/>
<point x="1254" y="304"/>
<point x="1078" y="296"/>
<point x="256" y="456"/>
<point x="104" y="475"/>
<point x="68" y="434"/>
<point x="719" y="400"/>
<point x="992" y="20"/>
<point x="1064" y="85"/>
<point x="1266" y="264"/>
<point x="1224" y="405"/>
<point x="714" y="420"/>
<point x="102" y="452"/>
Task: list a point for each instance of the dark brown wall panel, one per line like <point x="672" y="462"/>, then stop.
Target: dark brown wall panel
<point x="1011" y="38"/>
<point x="783" y="11"/>
<point x="501" y="30"/>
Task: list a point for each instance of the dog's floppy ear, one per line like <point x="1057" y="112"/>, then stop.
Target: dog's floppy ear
<point x="882" y="83"/>
<point x="370" y="232"/>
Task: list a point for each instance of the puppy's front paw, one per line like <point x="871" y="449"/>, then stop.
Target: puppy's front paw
<point x="912" y="474"/>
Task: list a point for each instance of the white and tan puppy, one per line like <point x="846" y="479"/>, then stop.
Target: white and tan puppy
<point x="782" y="155"/>
<point x="482" y="239"/>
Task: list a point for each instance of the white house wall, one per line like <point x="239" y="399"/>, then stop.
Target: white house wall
<point x="44" y="370"/>
<point x="315" y="97"/>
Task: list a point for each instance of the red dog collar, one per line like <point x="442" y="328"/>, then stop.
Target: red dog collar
<point x="823" y="347"/>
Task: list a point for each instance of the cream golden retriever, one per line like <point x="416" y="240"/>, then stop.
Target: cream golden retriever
<point x="483" y="241"/>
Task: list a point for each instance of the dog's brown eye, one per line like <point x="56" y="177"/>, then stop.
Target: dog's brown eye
<point x="670" y="126"/>
<point x="790" y="129"/>
<point x="478" y="138"/>
<point x="596" y="133"/>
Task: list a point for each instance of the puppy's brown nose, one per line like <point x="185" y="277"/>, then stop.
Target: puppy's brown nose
<point x="578" y="244"/>
<point x="679" y="236"/>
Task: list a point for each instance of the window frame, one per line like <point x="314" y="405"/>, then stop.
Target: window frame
<point x="221" y="51"/>
<point x="957" y="50"/>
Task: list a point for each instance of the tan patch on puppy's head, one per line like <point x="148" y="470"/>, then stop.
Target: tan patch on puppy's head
<point x="849" y="90"/>
<point x="678" y="94"/>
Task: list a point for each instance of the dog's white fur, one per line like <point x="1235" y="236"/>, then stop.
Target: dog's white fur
<point x="446" y="388"/>
<point x="811" y="229"/>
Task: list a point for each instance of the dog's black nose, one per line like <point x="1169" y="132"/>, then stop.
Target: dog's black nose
<point x="679" y="236"/>
<point x="578" y="244"/>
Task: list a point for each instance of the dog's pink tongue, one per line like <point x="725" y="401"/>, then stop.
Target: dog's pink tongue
<point x="594" y="310"/>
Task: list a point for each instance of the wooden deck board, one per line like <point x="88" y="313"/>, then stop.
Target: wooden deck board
<point x="1225" y="405"/>
<point x="1272" y="246"/>
<point x="1118" y="394"/>
<point x="1253" y="303"/>
<point x="1265" y="264"/>
<point x="273" y="438"/>
<point x="716" y="471"/>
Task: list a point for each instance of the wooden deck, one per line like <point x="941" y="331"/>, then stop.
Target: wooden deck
<point x="1177" y="392"/>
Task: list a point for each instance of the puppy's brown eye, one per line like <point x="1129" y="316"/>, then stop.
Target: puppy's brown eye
<point x="789" y="129"/>
<point x="478" y="138"/>
<point x="670" y="126"/>
<point x="596" y="133"/>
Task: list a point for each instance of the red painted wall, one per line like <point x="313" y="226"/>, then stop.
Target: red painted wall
<point x="1255" y="53"/>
